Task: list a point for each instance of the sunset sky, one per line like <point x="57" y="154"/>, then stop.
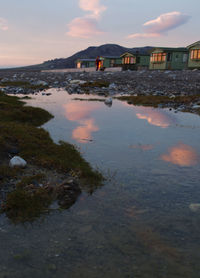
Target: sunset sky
<point x="35" y="31"/>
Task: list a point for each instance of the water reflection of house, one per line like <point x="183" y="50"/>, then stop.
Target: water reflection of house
<point x="85" y="63"/>
<point x="135" y="61"/>
<point x="169" y="59"/>
<point x="111" y="61"/>
<point x="194" y="56"/>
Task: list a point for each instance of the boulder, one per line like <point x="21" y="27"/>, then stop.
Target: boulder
<point x="108" y="101"/>
<point x="17" y="161"/>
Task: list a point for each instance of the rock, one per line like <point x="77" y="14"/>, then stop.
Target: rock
<point x="79" y="82"/>
<point x="108" y="101"/>
<point x="194" y="207"/>
<point x="195" y="106"/>
<point x="112" y="86"/>
<point x="40" y="82"/>
<point x="17" y="161"/>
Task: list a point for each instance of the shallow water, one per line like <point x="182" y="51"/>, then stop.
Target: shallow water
<point x="141" y="222"/>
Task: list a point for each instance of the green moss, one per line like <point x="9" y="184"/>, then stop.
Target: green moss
<point x="19" y="127"/>
<point x="154" y="101"/>
<point x="13" y="110"/>
<point x="23" y="84"/>
<point x="22" y="205"/>
<point x="27" y="180"/>
<point x="7" y="172"/>
<point x="90" y="99"/>
<point x="98" y="84"/>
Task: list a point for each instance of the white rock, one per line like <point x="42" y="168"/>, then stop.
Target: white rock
<point x="194" y="207"/>
<point x="17" y="161"/>
<point x="108" y="100"/>
<point x="40" y="83"/>
<point x="76" y="81"/>
<point x="196" y="106"/>
<point x="112" y="86"/>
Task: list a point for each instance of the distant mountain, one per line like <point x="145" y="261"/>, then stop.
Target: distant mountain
<point x="89" y="53"/>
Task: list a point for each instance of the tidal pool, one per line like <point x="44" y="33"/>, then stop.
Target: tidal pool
<point x="144" y="222"/>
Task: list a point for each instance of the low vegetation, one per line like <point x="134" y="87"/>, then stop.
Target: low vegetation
<point x="96" y="84"/>
<point x="90" y="99"/>
<point x="22" y="84"/>
<point x="19" y="129"/>
<point x="154" y="101"/>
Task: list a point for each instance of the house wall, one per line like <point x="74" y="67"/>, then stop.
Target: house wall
<point x="192" y="64"/>
<point x="107" y="62"/>
<point x="144" y="61"/>
<point x="179" y="61"/>
<point x="157" y="65"/>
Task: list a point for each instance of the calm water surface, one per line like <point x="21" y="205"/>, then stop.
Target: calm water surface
<point x="142" y="223"/>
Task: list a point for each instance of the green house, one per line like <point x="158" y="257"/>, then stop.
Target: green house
<point x="135" y="61"/>
<point x="110" y="61"/>
<point x="85" y="63"/>
<point x="169" y="59"/>
<point x="194" y="55"/>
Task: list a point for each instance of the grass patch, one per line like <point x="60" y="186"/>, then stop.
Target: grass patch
<point x="18" y="124"/>
<point x="6" y="172"/>
<point x="23" y="84"/>
<point x="19" y="127"/>
<point x="27" y="180"/>
<point x="97" y="84"/>
<point x="21" y="206"/>
<point x="13" y="110"/>
<point x="90" y="99"/>
<point x="154" y="101"/>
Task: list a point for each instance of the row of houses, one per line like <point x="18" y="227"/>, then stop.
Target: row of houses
<point x="160" y="58"/>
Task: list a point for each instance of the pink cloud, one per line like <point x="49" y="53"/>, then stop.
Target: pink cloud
<point x="144" y="35"/>
<point x="83" y="27"/>
<point x="92" y="6"/>
<point x="87" y="26"/>
<point x="162" y="24"/>
<point x="3" y="24"/>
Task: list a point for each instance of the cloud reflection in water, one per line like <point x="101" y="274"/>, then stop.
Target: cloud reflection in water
<point x="81" y="112"/>
<point x="154" y="117"/>
<point x="182" y="155"/>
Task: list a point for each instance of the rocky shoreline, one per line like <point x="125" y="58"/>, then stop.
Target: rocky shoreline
<point x="133" y="83"/>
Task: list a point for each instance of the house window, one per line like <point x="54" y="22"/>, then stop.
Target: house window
<point x="158" y="57"/>
<point x="127" y="60"/>
<point x="195" y="54"/>
<point x="132" y="60"/>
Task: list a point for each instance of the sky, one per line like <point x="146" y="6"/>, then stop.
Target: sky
<point x="33" y="31"/>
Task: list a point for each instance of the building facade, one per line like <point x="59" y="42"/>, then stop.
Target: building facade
<point x="194" y="56"/>
<point x="135" y="61"/>
<point x="169" y="59"/>
<point x="85" y="63"/>
<point x="110" y="61"/>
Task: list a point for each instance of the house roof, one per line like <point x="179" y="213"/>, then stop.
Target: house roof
<point x="134" y="53"/>
<point x="170" y="49"/>
<point x="86" y="60"/>
<point x="195" y="43"/>
<point x="111" y="57"/>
